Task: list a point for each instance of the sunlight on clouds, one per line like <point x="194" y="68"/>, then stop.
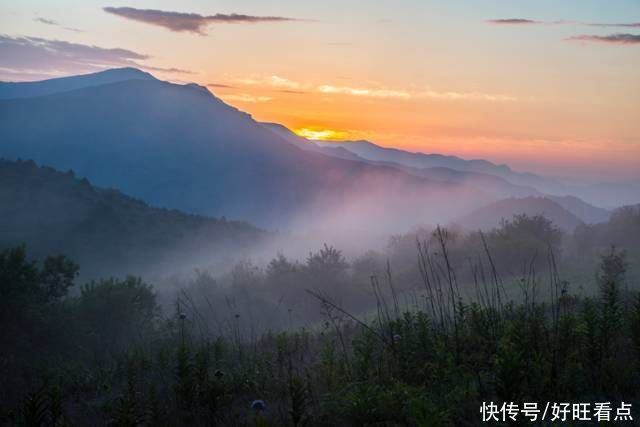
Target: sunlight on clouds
<point x="374" y="93"/>
<point x="270" y="81"/>
<point x="405" y="94"/>
<point x="456" y="96"/>
<point x="246" y="98"/>
<point x="278" y="81"/>
<point x="275" y="81"/>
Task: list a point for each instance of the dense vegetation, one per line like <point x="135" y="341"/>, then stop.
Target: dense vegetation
<point x="108" y="352"/>
<point x="104" y="230"/>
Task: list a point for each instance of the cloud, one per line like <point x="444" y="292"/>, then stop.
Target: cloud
<point x="373" y="93"/>
<point x="172" y="70"/>
<point x="622" y="25"/>
<point x="270" y="81"/>
<point x="44" y="57"/>
<point x="46" y="21"/>
<point x="246" y="98"/>
<point x="277" y="81"/>
<point x="512" y="21"/>
<point x="622" y="39"/>
<point x="524" y="21"/>
<point x="406" y="94"/>
<point x="56" y="24"/>
<point x="188" y="22"/>
<point x="284" y="85"/>
<point x="220" y="86"/>
<point x="477" y="96"/>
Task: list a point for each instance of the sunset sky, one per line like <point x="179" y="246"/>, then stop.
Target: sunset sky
<point x="549" y="86"/>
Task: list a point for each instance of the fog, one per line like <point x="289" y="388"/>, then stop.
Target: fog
<point x="268" y="286"/>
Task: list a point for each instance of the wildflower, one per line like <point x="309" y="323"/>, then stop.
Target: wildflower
<point x="258" y="405"/>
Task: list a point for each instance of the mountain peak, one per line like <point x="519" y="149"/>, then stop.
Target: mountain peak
<point x="64" y="84"/>
<point x="124" y="73"/>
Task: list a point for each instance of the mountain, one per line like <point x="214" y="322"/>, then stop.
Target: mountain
<point x="489" y="184"/>
<point x="178" y="146"/>
<point x="492" y="185"/>
<point x="103" y="230"/>
<point x="287" y="135"/>
<point x="588" y="213"/>
<point x="491" y="216"/>
<point x="602" y="194"/>
<point x="371" y="151"/>
<point x="63" y="84"/>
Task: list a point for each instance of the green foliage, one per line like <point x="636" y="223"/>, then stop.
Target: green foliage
<point x="27" y="288"/>
<point x="129" y="304"/>
<point x="129" y="365"/>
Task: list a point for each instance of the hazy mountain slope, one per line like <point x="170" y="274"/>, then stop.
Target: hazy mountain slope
<point x="605" y="195"/>
<point x="489" y="184"/>
<point x="490" y="216"/>
<point x="371" y="151"/>
<point x="10" y="90"/>
<point x="105" y="231"/>
<point x="492" y="185"/>
<point x="178" y="146"/>
<point x="586" y="212"/>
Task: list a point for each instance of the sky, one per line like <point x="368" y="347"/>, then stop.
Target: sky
<point x="547" y="86"/>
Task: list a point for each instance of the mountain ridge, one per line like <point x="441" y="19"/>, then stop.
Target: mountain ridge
<point x="372" y="151"/>
<point x="12" y="90"/>
<point x="178" y="146"/>
<point x="108" y="232"/>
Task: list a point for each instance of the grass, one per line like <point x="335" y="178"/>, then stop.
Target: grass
<point x="428" y="363"/>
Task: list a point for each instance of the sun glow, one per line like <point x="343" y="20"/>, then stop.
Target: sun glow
<point x="321" y="134"/>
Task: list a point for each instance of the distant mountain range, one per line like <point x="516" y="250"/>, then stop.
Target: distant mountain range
<point x="180" y="147"/>
<point x="370" y="151"/>
<point x="490" y="184"/>
<point x="105" y="231"/>
<point x="586" y="212"/>
<point x="606" y="194"/>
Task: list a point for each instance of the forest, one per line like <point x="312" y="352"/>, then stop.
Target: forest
<point x="419" y="334"/>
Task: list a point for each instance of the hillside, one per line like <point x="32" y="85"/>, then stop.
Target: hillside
<point x="104" y="230"/>
<point x="491" y="216"/>
<point x="586" y="212"/>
